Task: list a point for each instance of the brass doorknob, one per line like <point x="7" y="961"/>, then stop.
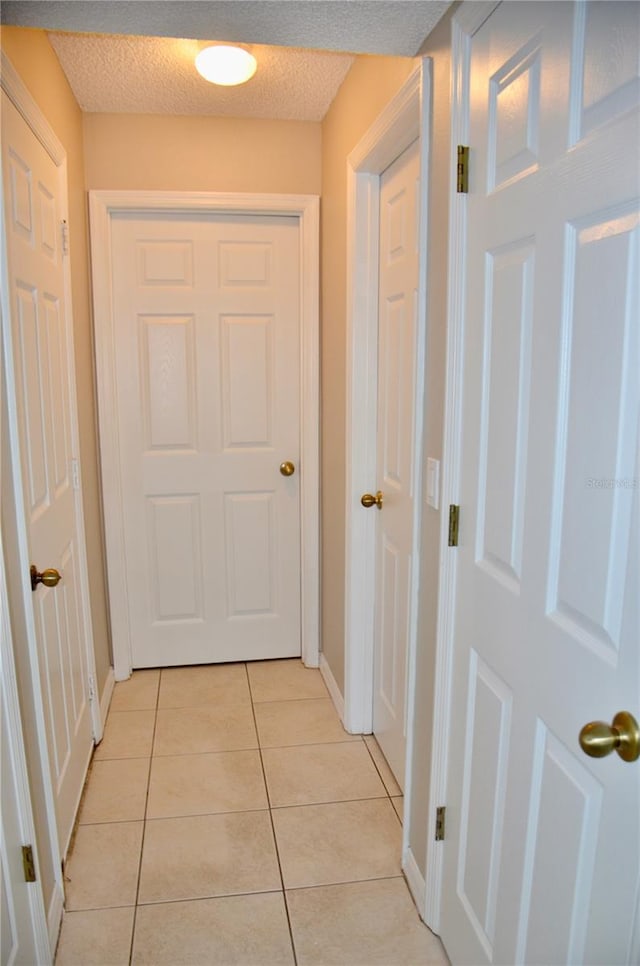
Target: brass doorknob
<point x="49" y="577"/>
<point x="287" y="469"/>
<point x="598" y="739"/>
<point x="368" y="499"/>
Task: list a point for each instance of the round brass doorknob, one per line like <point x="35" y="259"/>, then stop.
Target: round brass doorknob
<point x="598" y="739"/>
<point x="49" y="577"/>
<point x="287" y="469"/>
<point x="368" y="500"/>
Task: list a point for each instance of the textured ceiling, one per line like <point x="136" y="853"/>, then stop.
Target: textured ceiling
<point x="156" y="75"/>
<point x="120" y="56"/>
<point x="360" y="26"/>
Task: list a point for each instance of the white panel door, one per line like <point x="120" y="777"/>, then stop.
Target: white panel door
<point x="207" y="349"/>
<point x="45" y="405"/>
<point x="23" y="926"/>
<point x="397" y="334"/>
<point x="543" y="842"/>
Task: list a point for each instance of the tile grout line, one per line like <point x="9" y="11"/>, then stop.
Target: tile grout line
<point x="273" y="828"/>
<point x="375" y="765"/>
<point x="144" y="821"/>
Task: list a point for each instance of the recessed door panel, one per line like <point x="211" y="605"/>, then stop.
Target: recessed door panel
<point x="247" y="381"/>
<point x="605" y="74"/>
<point x="251" y="553"/>
<point x="167" y="381"/>
<point x="175" y="557"/>
<point x="485" y="785"/>
<point x="596" y="466"/>
<point x="514" y="107"/>
<point x="21" y="194"/>
<point x="561" y="842"/>
<point x="50" y="229"/>
<point x="505" y="415"/>
<point x="58" y="400"/>
<point x="245" y="264"/>
<point x="165" y="263"/>
<point x="31" y="401"/>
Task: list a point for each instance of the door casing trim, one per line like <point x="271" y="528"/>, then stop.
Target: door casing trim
<point x="103" y="205"/>
<point x="405" y="119"/>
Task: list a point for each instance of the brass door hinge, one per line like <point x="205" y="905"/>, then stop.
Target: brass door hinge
<point x="454" y="520"/>
<point x="28" y="864"/>
<point x="440" y="813"/>
<point x="462" y="176"/>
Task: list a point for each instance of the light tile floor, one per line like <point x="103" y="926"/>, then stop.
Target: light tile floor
<point x="229" y="819"/>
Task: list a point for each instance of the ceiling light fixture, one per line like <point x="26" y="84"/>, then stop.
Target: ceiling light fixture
<point x="226" y="65"/>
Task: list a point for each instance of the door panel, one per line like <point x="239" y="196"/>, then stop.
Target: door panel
<point x="397" y="334"/>
<point x="207" y="343"/>
<point x="541" y="862"/>
<point x="42" y="345"/>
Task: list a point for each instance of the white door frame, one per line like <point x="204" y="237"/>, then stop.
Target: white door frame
<point x="103" y="206"/>
<point x="403" y="120"/>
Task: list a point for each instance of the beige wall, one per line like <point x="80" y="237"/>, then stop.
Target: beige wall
<point x="34" y="59"/>
<point x="367" y="89"/>
<point x="128" y="151"/>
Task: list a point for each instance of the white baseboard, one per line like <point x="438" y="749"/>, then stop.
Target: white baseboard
<point x="54" y="917"/>
<point x="334" y="690"/>
<point x="105" y="698"/>
<point x="415" y="881"/>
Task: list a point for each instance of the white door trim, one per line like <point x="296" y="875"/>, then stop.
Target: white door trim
<point x="402" y="121"/>
<point x="468" y="19"/>
<point x="103" y="205"/>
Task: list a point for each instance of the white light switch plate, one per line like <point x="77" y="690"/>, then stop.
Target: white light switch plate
<point x="433" y="483"/>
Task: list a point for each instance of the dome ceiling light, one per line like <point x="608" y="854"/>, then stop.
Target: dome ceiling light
<point x="226" y="65"/>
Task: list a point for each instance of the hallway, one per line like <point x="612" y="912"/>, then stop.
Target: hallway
<point x="229" y="819"/>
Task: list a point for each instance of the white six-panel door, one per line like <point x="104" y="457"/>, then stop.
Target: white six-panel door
<point x="42" y="395"/>
<point x="397" y="353"/>
<point x="543" y="843"/>
<point x="207" y="348"/>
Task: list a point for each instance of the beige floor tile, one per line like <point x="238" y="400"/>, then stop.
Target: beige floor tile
<point x="208" y="855"/>
<point x="381" y="764"/>
<point x="96" y="938"/>
<point x="398" y="804"/>
<point x="227" y="781"/>
<point x="309" y="774"/>
<point x="102" y="870"/>
<point x="348" y="841"/>
<point x="116" y="791"/>
<point x="213" y="684"/>
<point x="199" y="731"/>
<point x="128" y="734"/>
<point x="305" y="722"/>
<point x="139" y="693"/>
<point x="373" y="923"/>
<point x="284" y="681"/>
<point x="232" y="931"/>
